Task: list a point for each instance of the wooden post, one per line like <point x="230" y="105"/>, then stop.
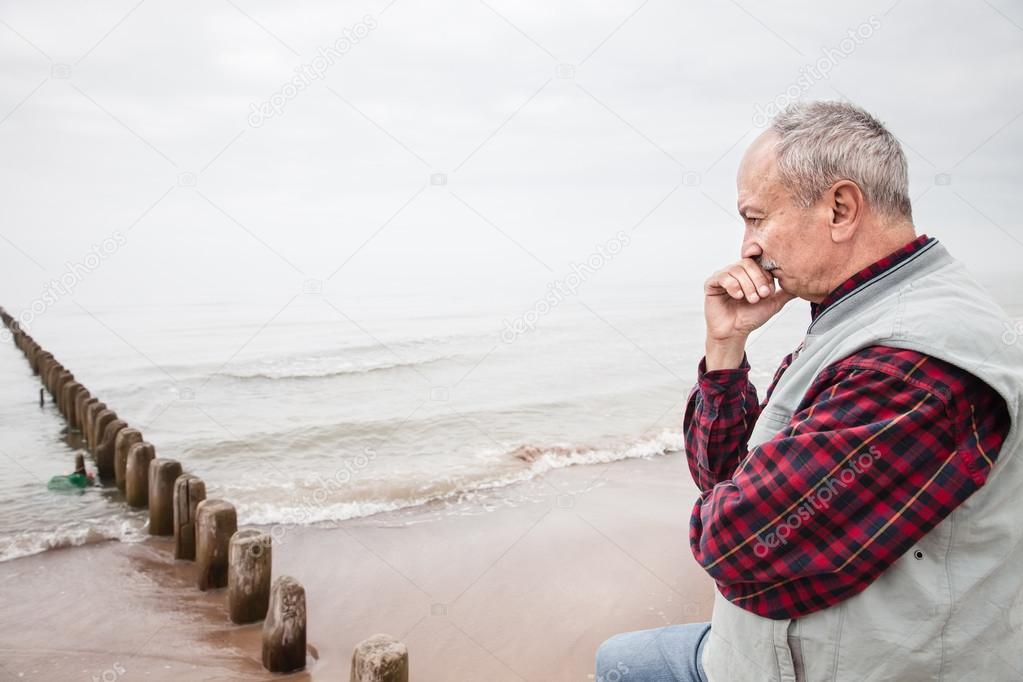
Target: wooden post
<point x="42" y="400"/>
<point x="51" y="376"/>
<point x="122" y="444"/>
<point x="215" y="522"/>
<point x="99" y="425"/>
<point x="66" y="391"/>
<point x="189" y="491"/>
<point x="162" y="474"/>
<point x="43" y="360"/>
<point x="136" y="474"/>
<point x="248" y="575"/>
<point x="84" y="401"/>
<point x="80" y="463"/>
<point x="381" y="658"/>
<point x="284" y="627"/>
<point x="105" y="449"/>
<point x="71" y="404"/>
<point x="34" y="357"/>
<point x="60" y="397"/>
<point x="90" y="418"/>
<point x="62" y="378"/>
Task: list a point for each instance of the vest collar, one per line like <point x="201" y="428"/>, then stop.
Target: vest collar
<point x="930" y="256"/>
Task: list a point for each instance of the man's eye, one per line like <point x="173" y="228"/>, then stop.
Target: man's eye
<point x="755" y="221"/>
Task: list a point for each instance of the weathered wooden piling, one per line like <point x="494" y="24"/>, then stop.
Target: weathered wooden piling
<point x="99" y="426"/>
<point x="126" y="438"/>
<point x="80" y="463"/>
<point x="41" y="358"/>
<point x="33" y="357"/>
<point x="284" y="627"/>
<point x="82" y="408"/>
<point x="106" y="449"/>
<point x="189" y="491"/>
<point x="380" y="658"/>
<point x="215" y="522"/>
<point x="162" y="474"/>
<point x="56" y="373"/>
<point x="53" y="376"/>
<point x="42" y="400"/>
<point x="70" y="403"/>
<point x="65" y="396"/>
<point x="136" y="474"/>
<point x="46" y="366"/>
<point x="62" y="379"/>
<point x="248" y="575"/>
<point x="91" y="412"/>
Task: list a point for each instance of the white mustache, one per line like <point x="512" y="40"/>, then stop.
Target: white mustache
<point x="767" y="263"/>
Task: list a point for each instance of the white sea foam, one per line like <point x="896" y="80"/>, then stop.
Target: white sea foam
<point x="74" y="534"/>
<point x="524" y="463"/>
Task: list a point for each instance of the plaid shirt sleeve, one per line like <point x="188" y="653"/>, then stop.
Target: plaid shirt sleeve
<point x="885" y="444"/>
<point x="720" y="414"/>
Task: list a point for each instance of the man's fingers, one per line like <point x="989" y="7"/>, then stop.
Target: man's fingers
<point x="762" y="280"/>
<point x="744" y="279"/>
<point x="749" y="287"/>
<point x="723" y="281"/>
<point x="732" y="285"/>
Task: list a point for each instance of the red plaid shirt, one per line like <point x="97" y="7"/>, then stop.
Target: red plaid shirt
<point x="783" y="535"/>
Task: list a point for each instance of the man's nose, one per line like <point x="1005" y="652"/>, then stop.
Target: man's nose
<point x="750" y="249"/>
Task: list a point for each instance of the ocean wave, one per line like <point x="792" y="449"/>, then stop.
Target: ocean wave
<point x="74" y="534"/>
<point x="302" y="504"/>
<point x="324" y="368"/>
<point x="545" y="458"/>
<point x="360" y="357"/>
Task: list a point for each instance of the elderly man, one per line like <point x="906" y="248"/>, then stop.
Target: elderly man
<point x="865" y="522"/>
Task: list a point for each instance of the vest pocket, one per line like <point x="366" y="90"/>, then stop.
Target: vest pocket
<point x="815" y="641"/>
<point x="796" y="650"/>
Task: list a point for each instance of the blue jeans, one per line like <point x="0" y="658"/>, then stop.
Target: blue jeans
<point x="667" y="654"/>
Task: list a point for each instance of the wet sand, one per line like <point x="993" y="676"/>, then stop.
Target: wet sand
<point x="523" y="590"/>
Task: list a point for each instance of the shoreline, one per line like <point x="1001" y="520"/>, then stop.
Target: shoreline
<point x="522" y="590"/>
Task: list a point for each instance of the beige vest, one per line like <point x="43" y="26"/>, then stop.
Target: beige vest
<point x="951" y="608"/>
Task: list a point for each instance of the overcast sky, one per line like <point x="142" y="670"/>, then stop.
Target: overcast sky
<point x="464" y="147"/>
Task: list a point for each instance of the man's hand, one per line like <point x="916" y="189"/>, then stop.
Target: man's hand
<point x="737" y="300"/>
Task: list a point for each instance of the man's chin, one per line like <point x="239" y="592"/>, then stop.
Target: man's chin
<point x="779" y="277"/>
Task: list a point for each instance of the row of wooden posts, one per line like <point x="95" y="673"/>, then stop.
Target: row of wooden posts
<point x="204" y="530"/>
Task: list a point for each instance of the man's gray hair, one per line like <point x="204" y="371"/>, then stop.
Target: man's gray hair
<point x="824" y="142"/>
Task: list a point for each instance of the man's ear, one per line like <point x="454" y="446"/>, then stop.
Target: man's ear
<point x="846" y="210"/>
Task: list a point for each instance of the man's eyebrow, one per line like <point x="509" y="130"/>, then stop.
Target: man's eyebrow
<point x="746" y="208"/>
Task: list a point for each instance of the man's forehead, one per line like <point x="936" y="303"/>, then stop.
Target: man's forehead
<point x="756" y="171"/>
<point x="759" y="159"/>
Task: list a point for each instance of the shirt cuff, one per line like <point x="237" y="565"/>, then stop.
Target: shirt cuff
<point x="721" y="381"/>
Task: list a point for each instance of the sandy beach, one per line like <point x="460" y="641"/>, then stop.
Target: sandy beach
<point x="522" y="585"/>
